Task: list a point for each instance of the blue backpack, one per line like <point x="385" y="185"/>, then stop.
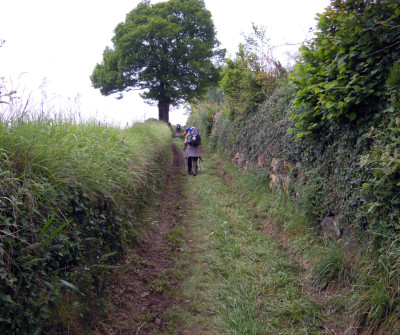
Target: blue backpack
<point x="193" y="137"/>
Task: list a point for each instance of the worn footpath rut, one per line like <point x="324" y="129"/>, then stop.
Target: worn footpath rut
<point x="140" y="292"/>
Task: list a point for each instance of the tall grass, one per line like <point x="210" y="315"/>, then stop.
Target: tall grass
<point x="70" y="196"/>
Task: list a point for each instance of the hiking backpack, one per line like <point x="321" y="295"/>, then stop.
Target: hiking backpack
<point x="178" y="127"/>
<point x="193" y="137"/>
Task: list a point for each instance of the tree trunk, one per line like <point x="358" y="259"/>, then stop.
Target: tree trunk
<point x="163" y="111"/>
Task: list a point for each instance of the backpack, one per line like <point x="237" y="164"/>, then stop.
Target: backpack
<point x="193" y="137"/>
<point x="178" y="127"/>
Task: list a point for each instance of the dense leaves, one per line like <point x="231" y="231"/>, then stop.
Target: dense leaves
<point x="169" y="49"/>
<point x="342" y="72"/>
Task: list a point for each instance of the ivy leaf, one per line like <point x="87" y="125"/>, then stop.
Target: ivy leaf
<point x="365" y="186"/>
<point x="6" y="298"/>
<point x="352" y="116"/>
<point x="313" y="126"/>
<point x="354" y="53"/>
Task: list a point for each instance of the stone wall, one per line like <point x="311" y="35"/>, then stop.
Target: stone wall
<point x="281" y="174"/>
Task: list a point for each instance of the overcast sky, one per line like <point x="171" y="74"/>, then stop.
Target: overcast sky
<point x="62" y="41"/>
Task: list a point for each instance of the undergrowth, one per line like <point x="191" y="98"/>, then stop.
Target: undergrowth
<point x="70" y="195"/>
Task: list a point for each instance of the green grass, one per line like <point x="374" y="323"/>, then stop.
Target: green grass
<point x="70" y="197"/>
<point x="238" y="280"/>
<point x="243" y="282"/>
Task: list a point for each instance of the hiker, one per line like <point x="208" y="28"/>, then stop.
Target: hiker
<point x="192" y="150"/>
<point x="186" y="131"/>
<point x="178" y="130"/>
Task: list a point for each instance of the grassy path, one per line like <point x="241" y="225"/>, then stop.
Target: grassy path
<point x="212" y="263"/>
<point x="235" y="279"/>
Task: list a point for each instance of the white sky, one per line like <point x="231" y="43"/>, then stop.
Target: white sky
<point x="62" y="41"/>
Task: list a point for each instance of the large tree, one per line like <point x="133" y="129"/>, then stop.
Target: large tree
<point x="168" y="49"/>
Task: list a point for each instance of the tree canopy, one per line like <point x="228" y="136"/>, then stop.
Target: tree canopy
<point x="168" y="49"/>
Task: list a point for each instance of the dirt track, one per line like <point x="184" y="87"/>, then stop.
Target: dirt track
<point x="140" y="290"/>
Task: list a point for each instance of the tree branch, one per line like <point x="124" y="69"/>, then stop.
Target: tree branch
<point x="376" y="52"/>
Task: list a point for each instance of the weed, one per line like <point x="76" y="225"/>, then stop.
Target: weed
<point x="332" y="269"/>
<point x="161" y="286"/>
<point x="176" y="236"/>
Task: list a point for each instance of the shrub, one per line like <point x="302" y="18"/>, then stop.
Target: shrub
<point x="341" y="75"/>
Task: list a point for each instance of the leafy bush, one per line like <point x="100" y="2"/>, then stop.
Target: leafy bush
<point x="342" y="72"/>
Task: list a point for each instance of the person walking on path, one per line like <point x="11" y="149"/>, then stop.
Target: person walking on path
<point x="192" y="150"/>
<point x="178" y="130"/>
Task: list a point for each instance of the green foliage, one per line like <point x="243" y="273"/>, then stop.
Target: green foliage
<point x="70" y="195"/>
<point x="332" y="179"/>
<point x="327" y="178"/>
<point x="332" y="182"/>
<point x="240" y="86"/>
<point x="169" y="49"/>
<point x="382" y="189"/>
<point x="345" y="94"/>
<point x="263" y="131"/>
<point x="342" y="72"/>
<point x="202" y="115"/>
<point x="251" y="77"/>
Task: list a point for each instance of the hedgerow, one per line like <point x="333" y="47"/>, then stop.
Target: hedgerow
<point x="70" y="200"/>
<point x="341" y="75"/>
